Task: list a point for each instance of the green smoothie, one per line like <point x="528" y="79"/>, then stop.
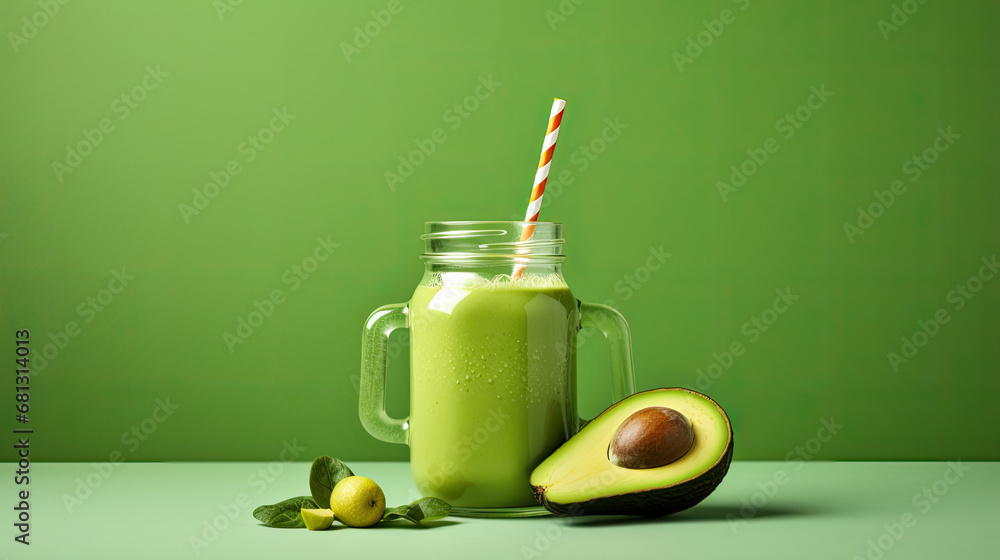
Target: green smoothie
<point x="493" y="384"/>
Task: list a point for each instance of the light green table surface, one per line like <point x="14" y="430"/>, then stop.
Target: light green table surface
<point x="822" y="510"/>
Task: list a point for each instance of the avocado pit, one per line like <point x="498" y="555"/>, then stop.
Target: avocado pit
<point x="652" y="437"/>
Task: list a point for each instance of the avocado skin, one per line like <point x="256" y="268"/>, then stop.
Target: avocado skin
<point x="654" y="502"/>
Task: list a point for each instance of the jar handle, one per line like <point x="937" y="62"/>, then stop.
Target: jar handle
<point x="610" y="322"/>
<point x="374" y="358"/>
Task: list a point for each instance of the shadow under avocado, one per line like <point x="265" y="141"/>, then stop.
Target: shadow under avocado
<point x="698" y="513"/>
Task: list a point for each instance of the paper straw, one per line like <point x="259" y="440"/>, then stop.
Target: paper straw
<point x="541" y="176"/>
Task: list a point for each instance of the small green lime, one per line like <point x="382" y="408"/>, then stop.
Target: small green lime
<point x="358" y="501"/>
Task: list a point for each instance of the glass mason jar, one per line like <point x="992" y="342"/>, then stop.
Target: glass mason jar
<point x="492" y="363"/>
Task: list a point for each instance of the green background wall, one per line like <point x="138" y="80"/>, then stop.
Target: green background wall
<point x="655" y="185"/>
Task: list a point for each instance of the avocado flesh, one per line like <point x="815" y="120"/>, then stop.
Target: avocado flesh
<point x="578" y="478"/>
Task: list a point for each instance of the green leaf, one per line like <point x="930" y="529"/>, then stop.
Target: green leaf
<point x="285" y="514"/>
<point x="325" y="473"/>
<point x="424" y="509"/>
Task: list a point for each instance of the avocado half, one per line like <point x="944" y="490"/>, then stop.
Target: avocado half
<point x="579" y="479"/>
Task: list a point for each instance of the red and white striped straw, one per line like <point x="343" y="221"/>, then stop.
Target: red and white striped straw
<point x="541" y="176"/>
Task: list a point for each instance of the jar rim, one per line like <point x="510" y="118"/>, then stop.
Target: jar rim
<point x="492" y="241"/>
<point x="496" y="223"/>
